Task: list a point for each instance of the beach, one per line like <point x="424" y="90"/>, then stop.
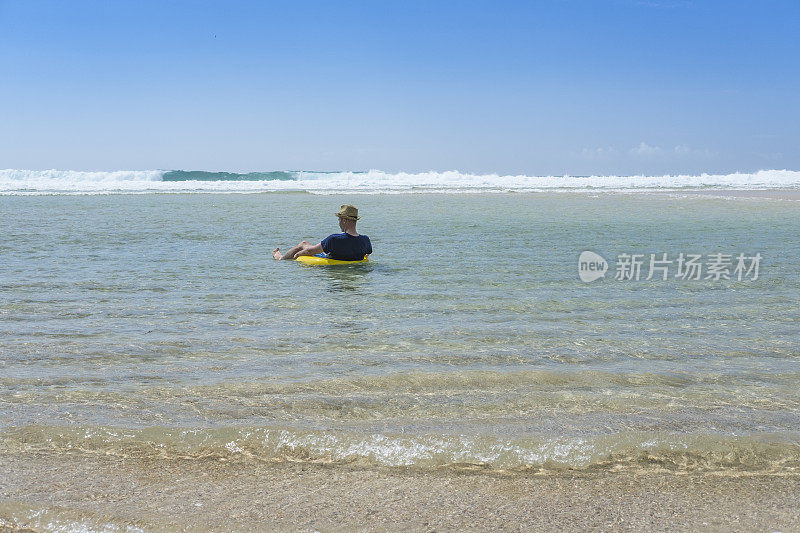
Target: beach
<point x="161" y="371"/>
<point x="92" y="492"/>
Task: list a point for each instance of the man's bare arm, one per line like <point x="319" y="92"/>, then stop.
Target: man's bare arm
<point x="310" y="250"/>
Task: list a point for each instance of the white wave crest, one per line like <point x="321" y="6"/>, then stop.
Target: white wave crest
<point x="76" y="176"/>
<point x="376" y="181"/>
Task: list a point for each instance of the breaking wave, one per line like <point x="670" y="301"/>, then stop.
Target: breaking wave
<point x="370" y="182"/>
<point x="624" y="451"/>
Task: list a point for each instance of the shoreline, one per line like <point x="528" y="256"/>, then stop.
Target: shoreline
<point x="49" y="490"/>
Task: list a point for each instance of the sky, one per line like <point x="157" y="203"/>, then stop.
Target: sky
<point x="532" y="87"/>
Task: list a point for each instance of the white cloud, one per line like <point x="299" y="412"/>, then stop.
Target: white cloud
<point x="686" y="150"/>
<point x="646" y="150"/>
<point x="599" y="152"/>
<point x="683" y="149"/>
<point x="643" y="150"/>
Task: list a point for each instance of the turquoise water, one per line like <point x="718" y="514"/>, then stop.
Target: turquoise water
<point x="159" y="325"/>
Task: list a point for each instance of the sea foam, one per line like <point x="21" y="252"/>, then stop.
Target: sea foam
<point x="374" y="181"/>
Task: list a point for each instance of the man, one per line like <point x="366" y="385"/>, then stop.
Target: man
<point x="346" y="246"/>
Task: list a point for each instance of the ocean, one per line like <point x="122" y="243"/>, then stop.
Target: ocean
<point x="148" y="325"/>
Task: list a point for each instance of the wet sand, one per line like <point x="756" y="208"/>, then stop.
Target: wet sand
<point x="92" y="490"/>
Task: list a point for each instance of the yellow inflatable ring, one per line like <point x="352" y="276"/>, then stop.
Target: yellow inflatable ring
<point x="319" y="261"/>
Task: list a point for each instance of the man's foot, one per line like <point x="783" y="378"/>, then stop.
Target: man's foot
<point x="276" y="254"/>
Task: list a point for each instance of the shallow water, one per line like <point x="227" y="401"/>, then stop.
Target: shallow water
<point x="158" y="325"/>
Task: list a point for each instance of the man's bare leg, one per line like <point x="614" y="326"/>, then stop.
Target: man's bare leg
<point x="291" y="254"/>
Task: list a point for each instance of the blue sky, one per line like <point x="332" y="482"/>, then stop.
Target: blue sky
<point x="547" y="87"/>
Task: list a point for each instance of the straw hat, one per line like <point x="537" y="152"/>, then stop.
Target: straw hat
<point x="349" y="212"/>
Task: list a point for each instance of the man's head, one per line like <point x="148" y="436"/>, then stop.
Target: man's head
<point x="348" y="215"/>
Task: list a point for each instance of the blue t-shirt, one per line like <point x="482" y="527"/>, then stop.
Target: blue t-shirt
<point x="346" y="247"/>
